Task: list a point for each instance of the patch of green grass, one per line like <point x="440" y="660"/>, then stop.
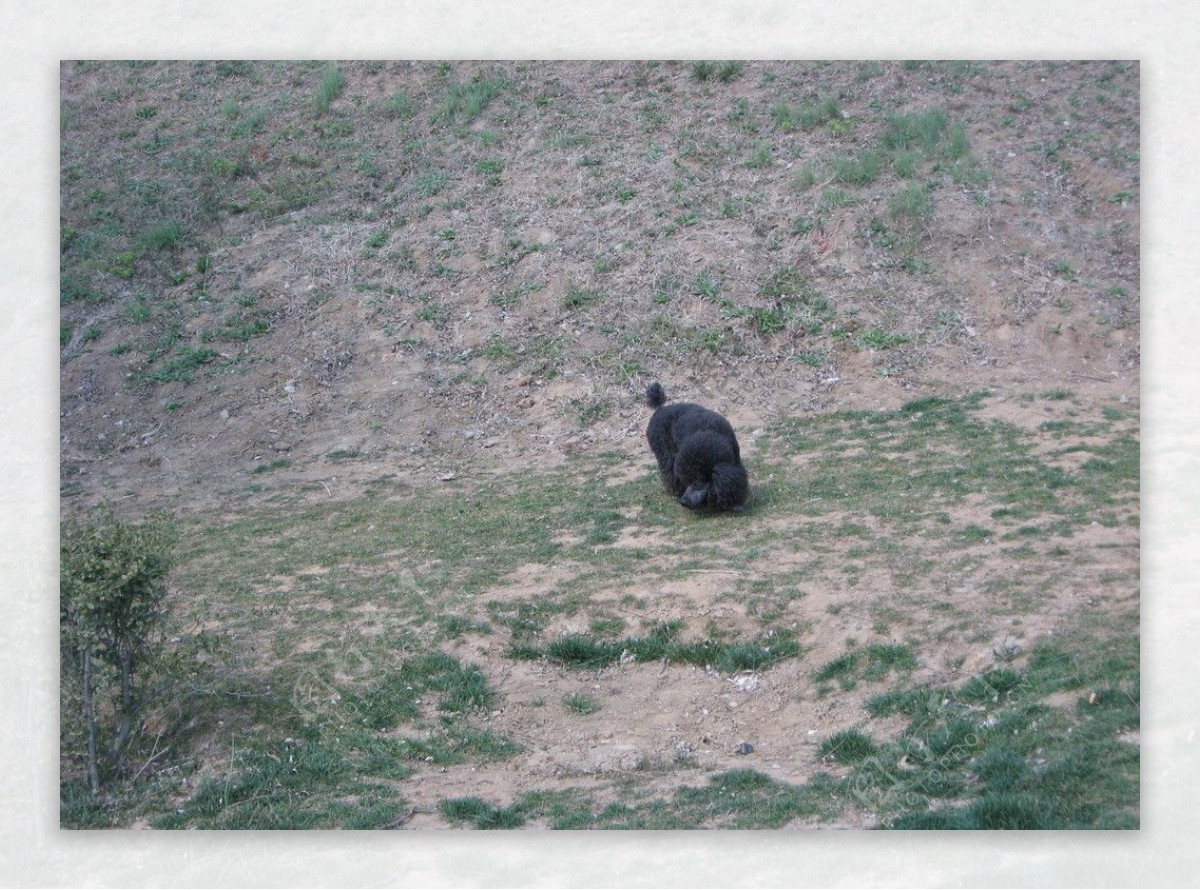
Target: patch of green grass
<point x="872" y="664"/>
<point x="916" y="131"/>
<point x="998" y="757"/>
<point x="165" y="236"/>
<point x="284" y="191"/>
<point x="481" y="814"/>
<point x="455" y="627"/>
<point x="458" y="689"/>
<point x="430" y="184"/>
<point x="491" y="169"/>
<point x="511" y="297"/>
<point x="332" y="83"/>
<point x="960" y="454"/>
<point x="454" y="743"/>
<point x="930" y="140"/>
<point x="239" y="326"/>
<point x="904" y="162"/>
<point x="122" y="264"/>
<point x="663" y="643"/>
<point x="581" y="703"/>
<point x="180" y="369"/>
<point x="807" y="116"/>
<point x="874" y="338"/>
<point x="400" y="105"/>
<point x="847" y="746"/>
<point x="832" y="199"/>
<point x="582" y="298"/>
<point x="706" y="285"/>
<point x="77" y="289"/>
<point x="841" y="667"/>
<point x="736" y="799"/>
<point x="303" y="783"/>
<point x="250" y="124"/>
<point x="760" y="158"/>
<point x="464" y="102"/>
<point x="914" y="202"/>
<point x="768" y="320"/>
<point x="885" y="658"/>
<point x="280" y="464"/>
<point x="861" y="170"/>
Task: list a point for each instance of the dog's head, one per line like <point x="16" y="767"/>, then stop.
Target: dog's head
<point x="729" y="489"/>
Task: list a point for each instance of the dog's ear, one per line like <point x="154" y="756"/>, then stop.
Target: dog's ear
<point x="695" y="496"/>
<point x="730" y="486"/>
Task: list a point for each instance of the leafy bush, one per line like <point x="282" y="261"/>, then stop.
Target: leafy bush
<point x="113" y="583"/>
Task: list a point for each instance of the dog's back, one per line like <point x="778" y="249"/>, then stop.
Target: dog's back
<point x="676" y="422"/>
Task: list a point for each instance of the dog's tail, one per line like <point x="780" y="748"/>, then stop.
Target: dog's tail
<point x="655" y="396"/>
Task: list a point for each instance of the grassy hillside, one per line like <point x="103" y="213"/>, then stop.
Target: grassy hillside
<point x="374" y="336"/>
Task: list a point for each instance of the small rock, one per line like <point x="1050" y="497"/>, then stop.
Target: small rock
<point x="744" y="748"/>
<point x="746" y="682"/>
<point x="282" y="445"/>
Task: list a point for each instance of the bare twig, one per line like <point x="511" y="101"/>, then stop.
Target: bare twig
<point x="154" y="755"/>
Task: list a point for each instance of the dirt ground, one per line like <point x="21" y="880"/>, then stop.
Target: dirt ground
<point x="1033" y="274"/>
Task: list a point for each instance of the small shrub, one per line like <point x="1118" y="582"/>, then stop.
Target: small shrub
<point x="112" y="588"/>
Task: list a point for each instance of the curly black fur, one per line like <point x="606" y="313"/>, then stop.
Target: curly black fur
<point x="697" y="453"/>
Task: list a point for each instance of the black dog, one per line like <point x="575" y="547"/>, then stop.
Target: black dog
<point x="697" y="454"/>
